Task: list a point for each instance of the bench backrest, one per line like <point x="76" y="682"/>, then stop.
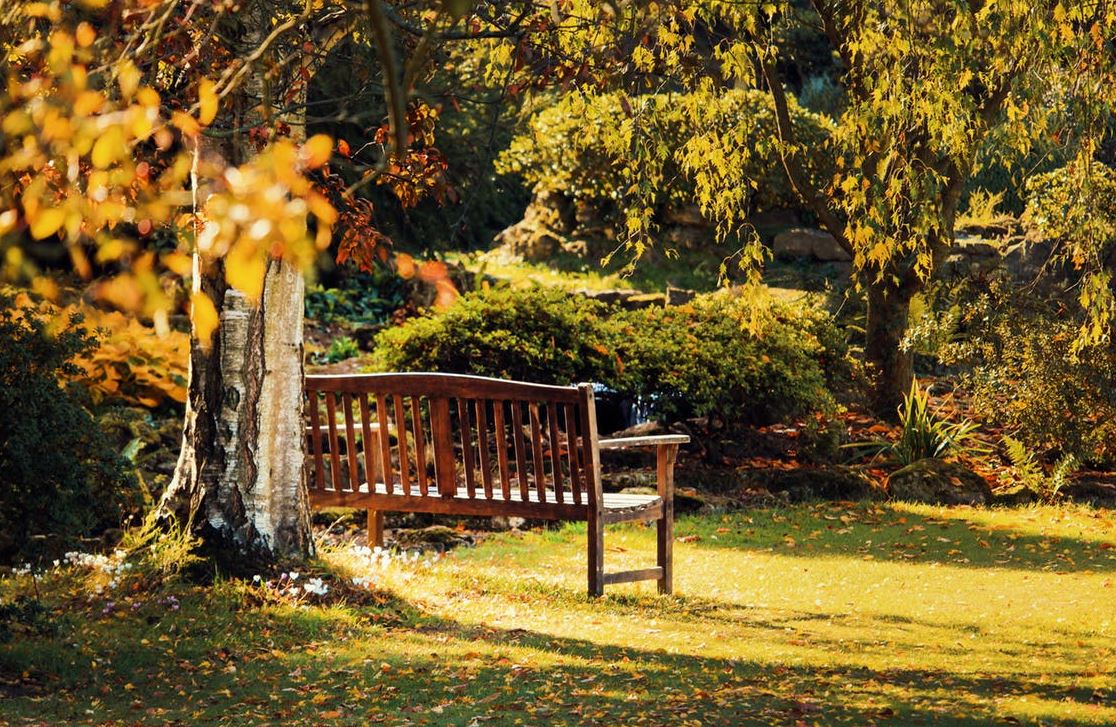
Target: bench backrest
<point x="448" y="435"/>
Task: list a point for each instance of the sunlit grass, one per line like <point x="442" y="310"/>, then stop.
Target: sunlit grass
<point x="824" y="613"/>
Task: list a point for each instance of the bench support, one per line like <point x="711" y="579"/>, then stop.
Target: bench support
<point x="375" y="528"/>
<point x="666" y="456"/>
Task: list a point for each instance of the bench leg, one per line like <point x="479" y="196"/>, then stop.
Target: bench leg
<point x="375" y="528"/>
<point x="667" y="453"/>
<point x="596" y="554"/>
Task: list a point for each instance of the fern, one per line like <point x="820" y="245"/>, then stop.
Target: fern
<point x="1028" y="472"/>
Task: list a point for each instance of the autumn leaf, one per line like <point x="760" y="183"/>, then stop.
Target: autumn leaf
<point x="204" y="316"/>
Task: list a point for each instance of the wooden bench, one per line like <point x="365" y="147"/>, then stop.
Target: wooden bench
<point x="468" y="445"/>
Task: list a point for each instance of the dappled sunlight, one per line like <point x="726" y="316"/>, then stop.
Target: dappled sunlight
<point x="503" y="633"/>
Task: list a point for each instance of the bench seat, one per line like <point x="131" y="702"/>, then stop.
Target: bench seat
<point x="618" y="506"/>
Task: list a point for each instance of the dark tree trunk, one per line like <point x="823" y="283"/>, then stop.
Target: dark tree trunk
<point x="891" y="367"/>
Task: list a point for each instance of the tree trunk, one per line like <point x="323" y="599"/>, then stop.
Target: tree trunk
<point x="239" y="481"/>
<point x="238" y="484"/>
<point x="891" y="368"/>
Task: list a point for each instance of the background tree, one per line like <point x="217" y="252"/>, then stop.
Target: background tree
<point x="931" y="90"/>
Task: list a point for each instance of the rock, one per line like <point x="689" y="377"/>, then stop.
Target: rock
<point x="1014" y="496"/>
<point x="686" y="216"/>
<point x="541" y="233"/>
<point x="1096" y="489"/>
<point x="937" y="482"/>
<point x="679" y="296"/>
<point x="435" y="537"/>
<point x="686" y="499"/>
<point x="973" y="246"/>
<point x="819" y="483"/>
<point x="807" y="243"/>
<point x="626" y="299"/>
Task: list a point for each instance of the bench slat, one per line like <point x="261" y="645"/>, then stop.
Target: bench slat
<point x="420" y="445"/>
<point x="384" y="421"/>
<point x="450" y="386"/>
<point x="367" y="443"/>
<point x="401" y="443"/>
<point x="316" y="441"/>
<point x="573" y="452"/>
<point x="617" y="507"/>
<point x="482" y="447"/>
<point x="537" y="456"/>
<point x="350" y="441"/>
<point x="500" y="437"/>
<point x="520" y="454"/>
<point x="464" y="429"/>
<point x="440" y="425"/>
<point x="630" y="576"/>
<point x="334" y="447"/>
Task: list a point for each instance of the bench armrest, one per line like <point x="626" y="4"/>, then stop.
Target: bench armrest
<point x="652" y="441"/>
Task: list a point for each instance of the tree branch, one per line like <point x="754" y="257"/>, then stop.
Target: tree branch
<point x="794" y="171"/>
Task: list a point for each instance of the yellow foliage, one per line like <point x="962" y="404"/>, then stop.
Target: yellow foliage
<point x="88" y="154"/>
<point x="131" y="364"/>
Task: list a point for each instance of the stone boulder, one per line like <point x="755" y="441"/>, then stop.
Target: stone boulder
<point x="817" y="483"/>
<point x="937" y="482"/>
<point x="810" y="244"/>
<point x="438" y="538"/>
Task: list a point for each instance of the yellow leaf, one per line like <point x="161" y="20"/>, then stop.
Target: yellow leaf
<point x="109" y="148"/>
<point x="316" y="151"/>
<point x="204" y="315"/>
<point x="244" y="270"/>
<point x="208" y="102"/>
<point x="47" y="222"/>
<point x="85" y="35"/>
<point x="128" y="76"/>
<point x="178" y="263"/>
<point x="185" y="123"/>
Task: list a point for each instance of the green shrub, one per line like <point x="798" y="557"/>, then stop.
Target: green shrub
<point x="60" y="478"/>
<point x="360" y="298"/>
<point x="684" y="361"/>
<point x="341" y="349"/>
<point x="537" y="334"/>
<point x="1027" y="471"/>
<point x="1026" y="375"/>
<point x="703" y="360"/>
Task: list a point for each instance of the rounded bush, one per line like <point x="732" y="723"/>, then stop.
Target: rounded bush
<point x="697" y="360"/>
<point x="60" y="478"/>
<point x="542" y="335"/>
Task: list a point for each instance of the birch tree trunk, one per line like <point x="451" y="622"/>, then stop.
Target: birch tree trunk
<point x="239" y="483"/>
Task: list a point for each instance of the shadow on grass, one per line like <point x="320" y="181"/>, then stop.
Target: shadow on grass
<point x="220" y="661"/>
<point x="885" y="533"/>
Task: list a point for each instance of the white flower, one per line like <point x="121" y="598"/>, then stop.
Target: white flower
<point x="315" y="586"/>
<point x="255" y="579"/>
<point x="293" y="575"/>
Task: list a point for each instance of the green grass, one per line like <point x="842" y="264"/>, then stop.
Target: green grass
<point x="827" y="614"/>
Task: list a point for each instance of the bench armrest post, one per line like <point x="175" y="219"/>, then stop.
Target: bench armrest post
<point x="666" y="455"/>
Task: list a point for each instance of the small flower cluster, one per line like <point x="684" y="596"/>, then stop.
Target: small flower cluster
<point x="113" y="566"/>
<point x="286" y="584"/>
<point x="383" y="558"/>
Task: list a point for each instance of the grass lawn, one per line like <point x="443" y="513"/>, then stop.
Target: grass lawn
<point x="820" y="614"/>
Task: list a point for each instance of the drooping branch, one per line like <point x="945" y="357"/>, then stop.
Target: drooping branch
<point x="791" y="163"/>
